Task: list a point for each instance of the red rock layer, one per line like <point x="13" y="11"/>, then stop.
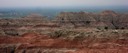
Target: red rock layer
<point x="36" y="43"/>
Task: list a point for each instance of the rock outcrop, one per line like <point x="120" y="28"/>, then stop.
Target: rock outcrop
<point x="109" y="19"/>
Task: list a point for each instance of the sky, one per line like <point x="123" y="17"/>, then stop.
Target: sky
<point x="61" y="3"/>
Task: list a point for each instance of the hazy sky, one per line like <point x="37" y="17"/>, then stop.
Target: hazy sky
<point x="61" y="3"/>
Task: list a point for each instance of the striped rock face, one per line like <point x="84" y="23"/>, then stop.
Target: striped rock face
<point x="36" y="43"/>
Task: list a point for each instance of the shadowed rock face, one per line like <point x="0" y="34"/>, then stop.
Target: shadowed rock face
<point x="106" y="18"/>
<point x="73" y="19"/>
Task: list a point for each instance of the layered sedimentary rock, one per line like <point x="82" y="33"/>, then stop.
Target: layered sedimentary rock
<point x="18" y="26"/>
<point x="109" y="19"/>
<point x="69" y="32"/>
<point x="74" y="19"/>
<point x="37" y="43"/>
<point x="34" y="22"/>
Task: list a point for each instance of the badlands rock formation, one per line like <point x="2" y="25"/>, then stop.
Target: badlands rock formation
<point x="109" y="19"/>
<point x="91" y="43"/>
<point x="69" y="32"/>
